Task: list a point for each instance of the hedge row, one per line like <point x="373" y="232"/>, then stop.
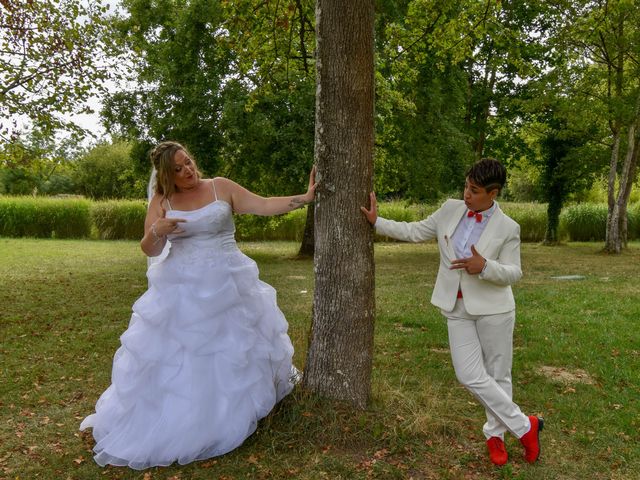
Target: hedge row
<point x="124" y="219"/>
<point x="44" y="217"/>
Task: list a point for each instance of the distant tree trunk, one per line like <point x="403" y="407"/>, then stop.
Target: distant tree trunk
<point x="554" y="208"/>
<point x="306" y="247"/>
<point x="341" y="342"/>
<point x="613" y="240"/>
<point x="483" y="116"/>
<point x="612" y="236"/>
<point x="307" y="244"/>
<point x="616" y="236"/>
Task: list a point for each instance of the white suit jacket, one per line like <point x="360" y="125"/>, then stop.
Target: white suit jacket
<point x="484" y="294"/>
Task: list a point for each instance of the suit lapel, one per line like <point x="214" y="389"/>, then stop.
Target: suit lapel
<point x="489" y="231"/>
<point x="454" y="219"/>
<point x="450" y="226"/>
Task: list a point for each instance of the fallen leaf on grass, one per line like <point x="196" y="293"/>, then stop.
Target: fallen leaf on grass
<point x="381" y="453"/>
<point x="78" y="460"/>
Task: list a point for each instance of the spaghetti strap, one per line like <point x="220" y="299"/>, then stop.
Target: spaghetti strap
<point x="215" y="195"/>
<point x="169" y="203"/>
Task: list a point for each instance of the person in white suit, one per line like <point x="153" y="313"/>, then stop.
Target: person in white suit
<point x="479" y="261"/>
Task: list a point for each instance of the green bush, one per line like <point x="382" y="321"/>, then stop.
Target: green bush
<point x="107" y="171"/>
<point x="532" y="218"/>
<point x="585" y="222"/>
<point x="119" y="219"/>
<point x="400" y="211"/>
<point x="44" y="217"/>
<point x="289" y="226"/>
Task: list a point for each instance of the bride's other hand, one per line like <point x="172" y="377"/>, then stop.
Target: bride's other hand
<point x="164" y="226"/>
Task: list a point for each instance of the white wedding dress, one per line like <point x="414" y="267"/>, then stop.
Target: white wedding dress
<point x="206" y="354"/>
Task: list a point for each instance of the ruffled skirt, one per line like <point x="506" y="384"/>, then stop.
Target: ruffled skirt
<point x="206" y="355"/>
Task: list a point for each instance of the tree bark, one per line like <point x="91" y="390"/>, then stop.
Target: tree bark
<point x="340" y="352"/>
<point x="616" y="236"/>
<point x="628" y="175"/>
<point x="307" y="245"/>
<point x="613" y="240"/>
<point x="612" y="236"/>
<point x="483" y="118"/>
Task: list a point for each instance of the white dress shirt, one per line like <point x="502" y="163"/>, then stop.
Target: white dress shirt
<point x="468" y="232"/>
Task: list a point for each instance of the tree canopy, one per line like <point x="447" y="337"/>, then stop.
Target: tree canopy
<point x="52" y="59"/>
<point x="455" y="81"/>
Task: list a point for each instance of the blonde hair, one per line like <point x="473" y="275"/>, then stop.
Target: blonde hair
<point x="162" y="159"/>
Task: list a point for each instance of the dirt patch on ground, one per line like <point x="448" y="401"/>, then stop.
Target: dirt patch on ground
<point x="563" y="375"/>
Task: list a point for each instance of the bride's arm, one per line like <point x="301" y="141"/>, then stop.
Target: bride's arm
<point x="244" y="201"/>
<point x="157" y="227"/>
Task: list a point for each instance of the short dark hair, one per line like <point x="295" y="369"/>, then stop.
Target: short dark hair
<point x="488" y="173"/>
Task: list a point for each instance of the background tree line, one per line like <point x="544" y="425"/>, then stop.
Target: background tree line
<point x="550" y="88"/>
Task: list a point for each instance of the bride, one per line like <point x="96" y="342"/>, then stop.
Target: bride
<point x="206" y="354"/>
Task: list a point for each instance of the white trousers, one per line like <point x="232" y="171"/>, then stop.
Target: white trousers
<point x="482" y="353"/>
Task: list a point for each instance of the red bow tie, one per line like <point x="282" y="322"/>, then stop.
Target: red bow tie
<point x="478" y="215"/>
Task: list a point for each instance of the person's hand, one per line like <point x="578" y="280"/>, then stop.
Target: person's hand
<point x="372" y="213"/>
<point x="310" y="195"/>
<point x="163" y="226"/>
<point x="473" y="265"/>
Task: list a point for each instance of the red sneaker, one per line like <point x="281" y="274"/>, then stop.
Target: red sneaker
<point x="531" y="440"/>
<point x="497" y="452"/>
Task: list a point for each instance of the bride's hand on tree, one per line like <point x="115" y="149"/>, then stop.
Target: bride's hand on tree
<point x="310" y="195"/>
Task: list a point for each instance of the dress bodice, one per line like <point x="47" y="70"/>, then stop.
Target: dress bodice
<point x="209" y="227"/>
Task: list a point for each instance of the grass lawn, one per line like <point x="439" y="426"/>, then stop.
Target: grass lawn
<point x="64" y="304"/>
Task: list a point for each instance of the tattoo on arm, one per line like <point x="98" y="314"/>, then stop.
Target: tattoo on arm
<point x="296" y="202"/>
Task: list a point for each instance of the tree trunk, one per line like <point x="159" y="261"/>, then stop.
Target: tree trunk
<point x="612" y="236"/>
<point x="341" y="342"/>
<point x="483" y="116"/>
<point x="628" y="175"/>
<point x="554" y="207"/>
<point x="616" y="236"/>
<point x="306" y="247"/>
<point x="612" y="243"/>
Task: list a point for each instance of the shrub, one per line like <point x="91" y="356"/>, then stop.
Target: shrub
<point x="532" y="218"/>
<point x="289" y="226"/>
<point x="44" y="217"/>
<point x="400" y="212"/>
<point x="585" y="222"/>
<point x="107" y="171"/>
<point x="119" y="219"/>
